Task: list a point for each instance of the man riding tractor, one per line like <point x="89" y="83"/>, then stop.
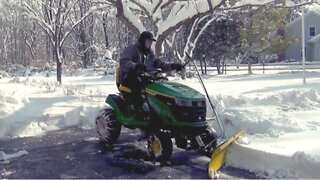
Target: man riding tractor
<point x="135" y="59"/>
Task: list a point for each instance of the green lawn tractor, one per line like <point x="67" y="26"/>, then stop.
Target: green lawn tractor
<point x="175" y="111"/>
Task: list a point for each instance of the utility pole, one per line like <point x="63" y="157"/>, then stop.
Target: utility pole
<point x="303" y="48"/>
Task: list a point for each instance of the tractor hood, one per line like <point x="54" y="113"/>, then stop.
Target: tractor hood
<point x="174" y="90"/>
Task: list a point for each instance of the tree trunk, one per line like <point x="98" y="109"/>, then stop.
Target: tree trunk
<point x="82" y="47"/>
<point x="218" y="66"/>
<point x="92" y="55"/>
<point x="58" y="57"/>
<point x="201" y="66"/>
<point x="15" y="50"/>
<point x="48" y="49"/>
<point x="23" y="48"/>
<point x="59" y="71"/>
<point x="205" y="65"/>
<point x="223" y="65"/>
<point x="104" y="23"/>
<point x="249" y="67"/>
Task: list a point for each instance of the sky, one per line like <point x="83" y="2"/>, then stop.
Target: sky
<point x="278" y="113"/>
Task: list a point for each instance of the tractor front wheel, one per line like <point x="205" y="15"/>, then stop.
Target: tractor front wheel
<point x="160" y="146"/>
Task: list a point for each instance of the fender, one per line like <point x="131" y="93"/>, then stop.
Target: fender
<point x="121" y="110"/>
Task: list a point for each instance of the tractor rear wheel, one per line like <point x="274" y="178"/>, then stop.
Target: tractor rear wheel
<point x="160" y="146"/>
<point x="107" y="126"/>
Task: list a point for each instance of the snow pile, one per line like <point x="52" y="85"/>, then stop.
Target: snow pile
<point x="280" y="116"/>
<point x="9" y="104"/>
<point x="42" y="106"/>
<point x="289" y="156"/>
<point x="32" y="121"/>
<point x="282" y="128"/>
<point x="283" y="134"/>
<point x="270" y="114"/>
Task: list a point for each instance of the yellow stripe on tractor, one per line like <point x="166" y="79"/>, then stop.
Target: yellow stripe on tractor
<point x="219" y="154"/>
<point x="152" y="92"/>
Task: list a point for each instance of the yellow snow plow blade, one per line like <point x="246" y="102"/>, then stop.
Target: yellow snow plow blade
<point x="218" y="155"/>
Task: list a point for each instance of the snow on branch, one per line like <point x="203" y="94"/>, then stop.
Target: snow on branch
<point x="132" y="18"/>
<point x="187" y="11"/>
<point x="166" y="16"/>
<point x="90" y="11"/>
<point x="194" y="35"/>
<point x="33" y="15"/>
<point x="166" y="3"/>
<point x="271" y="3"/>
<point x="144" y="5"/>
<point x="149" y="8"/>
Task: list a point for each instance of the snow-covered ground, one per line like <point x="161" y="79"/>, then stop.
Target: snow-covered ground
<point x="278" y="112"/>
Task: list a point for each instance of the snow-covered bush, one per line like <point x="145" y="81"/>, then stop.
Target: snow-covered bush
<point x="4" y="74"/>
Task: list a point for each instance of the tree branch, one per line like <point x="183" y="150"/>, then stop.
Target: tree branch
<point x="270" y="4"/>
<point x="76" y="24"/>
<point x="33" y="15"/>
<point x="156" y="6"/>
<point x="166" y="4"/>
<point x="123" y="18"/>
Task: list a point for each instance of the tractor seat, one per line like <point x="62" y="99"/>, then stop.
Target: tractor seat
<point x="121" y="88"/>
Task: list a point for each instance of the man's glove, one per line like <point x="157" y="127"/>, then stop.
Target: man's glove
<point x="177" y="66"/>
<point x="140" y="67"/>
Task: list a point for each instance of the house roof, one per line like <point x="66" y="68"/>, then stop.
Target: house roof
<point x="299" y="18"/>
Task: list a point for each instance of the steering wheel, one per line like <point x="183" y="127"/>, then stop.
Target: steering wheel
<point x="154" y="71"/>
<point x="157" y="75"/>
<point x="153" y="74"/>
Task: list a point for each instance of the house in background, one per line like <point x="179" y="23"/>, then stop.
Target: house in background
<point x="312" y="38"/>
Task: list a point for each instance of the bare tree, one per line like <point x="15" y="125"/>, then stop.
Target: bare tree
<point x="13" y="34"/>
<point x="54" y="23"/>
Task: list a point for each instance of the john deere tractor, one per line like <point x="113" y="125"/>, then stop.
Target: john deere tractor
<point x="174" y="111"/>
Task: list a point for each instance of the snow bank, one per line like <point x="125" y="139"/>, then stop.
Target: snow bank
<point x="9" y="104"/>
<point x="283" y="129"/>
<point x="289" y="156"/>
<point x="43" y="106"/>
<point x="267" y="114"/>
<point x="280" y="116"/>
<point x="58" y="116"/>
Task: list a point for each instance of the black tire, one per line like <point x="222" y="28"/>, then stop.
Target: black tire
<point x="165" y="146"/>
<point x="107" y="126"/>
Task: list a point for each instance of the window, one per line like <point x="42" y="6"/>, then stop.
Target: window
<point x="312" y="31"/>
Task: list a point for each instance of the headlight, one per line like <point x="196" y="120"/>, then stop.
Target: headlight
<point x="183" y="102"/>
<point x="190" y="103"/>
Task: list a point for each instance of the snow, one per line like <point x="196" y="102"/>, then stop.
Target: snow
<point x="279" y="114"/>
<point x="132" y="18"/>
<point x="253" y="2"/>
